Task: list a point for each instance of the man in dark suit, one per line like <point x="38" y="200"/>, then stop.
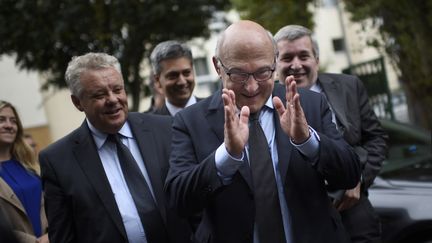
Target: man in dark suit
<point x="172" y="69"/>
<point x="212" y="164"/>
<point x="353" y="116"/>
<point x="88" y="185"/>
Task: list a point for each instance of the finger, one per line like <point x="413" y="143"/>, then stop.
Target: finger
<point x="293" y="88"/>
<point x="296" y="102"/>
<point x="229" y="112"/>
<point x="231" y="95"/>
<point x="341" y="206"/>
<point x="244" y="115"/>
<point x="288" y="81"/>
<point x="278" y="106"/>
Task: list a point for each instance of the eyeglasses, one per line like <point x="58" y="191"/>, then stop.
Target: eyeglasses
<point x="242" y="77"/>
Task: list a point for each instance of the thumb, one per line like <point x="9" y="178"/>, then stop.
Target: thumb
<point x="280" y="108"/>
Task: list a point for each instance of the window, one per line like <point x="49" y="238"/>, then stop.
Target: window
<point x="200" y="66"/>
<point x="338" y="44"/>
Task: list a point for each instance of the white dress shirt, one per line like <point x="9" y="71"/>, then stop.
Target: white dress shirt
<point x="174" y="109"/>
<point x="110" y="162"/>
<point x="227" y="165"/>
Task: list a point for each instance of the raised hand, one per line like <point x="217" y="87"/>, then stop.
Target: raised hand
<point x="236" y="128"/>
<point x="292" y="118"/>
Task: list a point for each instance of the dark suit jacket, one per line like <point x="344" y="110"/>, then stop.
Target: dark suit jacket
<point x="228" y="216"/>
<point x="357" y="121"/>
<point x="164" y="109"/>
<point x="80" y="204"/>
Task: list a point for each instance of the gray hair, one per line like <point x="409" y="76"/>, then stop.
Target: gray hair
<point x="294" y="32"/>
<point x="168" y="50"/>
<point x="89" y="61"/>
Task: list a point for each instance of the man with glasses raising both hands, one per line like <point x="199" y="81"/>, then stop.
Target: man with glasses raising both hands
<point x="254" y="157"/>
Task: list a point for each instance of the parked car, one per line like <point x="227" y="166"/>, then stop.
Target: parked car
<point x="402" y="193"/>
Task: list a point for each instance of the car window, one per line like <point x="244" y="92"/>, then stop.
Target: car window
<point x="410" y="152"/>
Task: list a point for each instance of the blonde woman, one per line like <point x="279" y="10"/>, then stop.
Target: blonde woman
<point x="20" y="185"/>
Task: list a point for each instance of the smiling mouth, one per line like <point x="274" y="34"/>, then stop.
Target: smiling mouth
<point x="113" y="112"/>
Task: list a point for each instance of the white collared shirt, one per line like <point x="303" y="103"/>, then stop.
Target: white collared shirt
<point x="226" y="165"/>
<point x="174" y="109"/>
<point x="110" y="162"/>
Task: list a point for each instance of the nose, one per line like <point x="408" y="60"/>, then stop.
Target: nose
<point x="8" y="123"/>
<point x="111" y="98"/>
<point x="182" y="80"/>
<point x="251" y="85"/>
<point x="296" y="64"/>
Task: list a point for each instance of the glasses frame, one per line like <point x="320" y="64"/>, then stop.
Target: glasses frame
<point x="227" y="71"/>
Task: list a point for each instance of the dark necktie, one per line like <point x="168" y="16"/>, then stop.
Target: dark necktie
<point x="149" y="214"/>
<point x="268" y="215"/>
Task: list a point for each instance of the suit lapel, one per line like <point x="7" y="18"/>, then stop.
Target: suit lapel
<point x="165" y="111"/>
<point x="8" y="195"/>
<point x="215" y="116"/>
<point x="334" y="97"/>
<point x="216" y="120"/>
<point x="145" y="140"/>
<point x="162" y="111"/>
<point x="88" y="159"/>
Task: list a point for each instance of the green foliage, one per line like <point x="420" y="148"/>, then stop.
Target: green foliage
<point x="273" y="15"/>
<point x="43" y="35"/>
<point x="405" y="34"/>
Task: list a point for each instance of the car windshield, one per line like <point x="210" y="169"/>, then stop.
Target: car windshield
<point x="410" y="153"/>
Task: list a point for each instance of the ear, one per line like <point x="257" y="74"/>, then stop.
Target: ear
<point x="77" y="103"/>
<point x="157" y="84"/>
<point x="215" y="64"/>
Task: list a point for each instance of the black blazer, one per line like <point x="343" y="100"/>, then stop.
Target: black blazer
<point x="357" y="121"/>
<point x="80" y="204"/>
<point x="228" y="211"/>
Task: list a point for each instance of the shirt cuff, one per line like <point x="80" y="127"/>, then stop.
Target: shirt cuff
<point x="226" y="165"/>
<point x="310" y="147"/>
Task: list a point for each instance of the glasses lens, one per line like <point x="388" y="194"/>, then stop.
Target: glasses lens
<point x="263" y="75"/>
<point x="238" y="77"/>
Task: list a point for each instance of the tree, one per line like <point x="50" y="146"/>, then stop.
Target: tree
<point x="405" y="34"/>
<point x="273" y="15"/>
<point x="43" y="35"/>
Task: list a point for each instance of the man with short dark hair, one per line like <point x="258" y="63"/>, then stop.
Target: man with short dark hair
<point x="172" y="67"/>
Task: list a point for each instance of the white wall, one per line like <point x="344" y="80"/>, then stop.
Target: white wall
<point x="21" y="88"/>
<point x="327" y="28"/>
<point x="61" y="113"/>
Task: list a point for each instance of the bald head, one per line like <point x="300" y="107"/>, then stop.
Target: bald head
<point x="245" y="61"/>
<point x="244" y="38"/>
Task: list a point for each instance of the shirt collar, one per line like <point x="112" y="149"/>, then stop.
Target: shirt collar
<point x="174" y="109"/>
<point x="100" y="137"/>
<point x="316" y="87"/>
<point x="269" y="102"/>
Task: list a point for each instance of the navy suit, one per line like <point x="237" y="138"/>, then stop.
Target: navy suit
<point x="79" y="201"/>
<point x="228" y="211"/>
